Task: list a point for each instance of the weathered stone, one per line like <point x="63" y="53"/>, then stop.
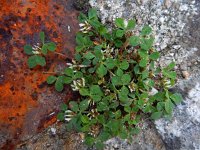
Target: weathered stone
<point x="183" y="131"/>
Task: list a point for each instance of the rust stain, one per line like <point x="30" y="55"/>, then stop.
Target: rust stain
<point x="27" y="103"/>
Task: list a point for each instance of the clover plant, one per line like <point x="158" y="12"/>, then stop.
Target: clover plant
<point x="118" y="78"/>
<point x="38" y="51"/>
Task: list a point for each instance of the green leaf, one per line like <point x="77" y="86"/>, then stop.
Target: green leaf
<point x="124" y="90"/>
<point x="126" y="79"/>
<point x="92" y="13"/>
<point x="131" y="25"/>
<point x="123" y="133"/>
<point x="98" y="52"/>
<point x="67" y="80"/>
<point x="77" y="57"/>
<point x="40" y="60"/>
<point x="32" y="62"/>
<point x="114" y="126"/>
<point x="82" y="17"/>
<point x="96" y="98"/>
<point x="110" y="63"/>
<point x="124" y="65"/>
<point x="118" y="43"/>
<point x="120" y="23"/>
<point x="120" y="33"/>
<point x="127" y="109"/>
<point x="63" y="107"/>
<point x="160" y="106"/>
<point x="35" y="60"/>
<point x="147" y="43"/>
<point x="84" y="105"/>
<point x="156" y="115"/>
<point x="86" y="62"/>
<point x="84" y="92"/>
<point x="79" y="48"/>
<point x="103" y="30"/>
<point x="171" y="66"/>
<point x="73" y="106"/>
<point x="44" y="49"/>
<point x="154" y="55"/>
<point x="136" y="69"/>
<point x="143" y="63"/>
<point x="79" y="39"/>
<point x="89" y="55"/>
<point x="114" y="104"/>
<point x="78" y="74"/>
<point x="104" y="136"/>
<point x="99" y="145"/>
<point x="168" y="106"/>
<point x="42" y="37"/>
<point x="102" y="106"/>
<point x="145" y="74"/>
<point x="51" y="79"/>
<point x="96" y="90"/>
<point x="143" y="54"/>
<point x="91" y="70"/>
<point x="118" y="114"/>
<point x="176" y="97"/>
<point x="119" y="72"/>
<point x="169" y="74"/>
<point x="95" y="24"/>
<point x="101" y="71"/>
<point x="134" y="40"/>
<point x="28" y="49"/>
<point x="85" y="119"/>
<point x="59" y="84"/>
<point x="89" y="141"/>
<point x="61" y="116"/>
<point x="116" y="80"/>
<point x="69" y="72"/>
<point x="51" y="46"/>
<point x="140" y="102"/>
<point x="123" y="94"/>
<point x="146" y="30"/>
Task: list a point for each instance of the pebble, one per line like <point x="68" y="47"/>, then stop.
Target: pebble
<point x="53" y="131"/>
<point x="176" y="46"/>
<point x="185" y="74"/>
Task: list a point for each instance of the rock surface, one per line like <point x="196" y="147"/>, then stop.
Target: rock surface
<point x="177" y="36"/>
<point x="147" y="139"/>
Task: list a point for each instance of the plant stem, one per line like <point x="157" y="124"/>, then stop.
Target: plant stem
<point x="60" y="54"/>
<point x="49" y="72"/>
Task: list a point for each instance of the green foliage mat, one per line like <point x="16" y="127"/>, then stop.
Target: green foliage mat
<point x="116" y="76"/>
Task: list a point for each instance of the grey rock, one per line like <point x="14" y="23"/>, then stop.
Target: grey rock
<point x="147" y="139"/>
<point x="183" y="131"/>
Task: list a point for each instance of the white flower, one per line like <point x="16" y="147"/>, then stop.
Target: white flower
<point x="68" y="111"/>
<point x="167" y="83"/>
<point x="85" y="27"/>
<point x="36" y="49"/>
<point x="77" y="84"/>
<point x="81" y="24"/>
<point x="36" y="52"/>
<point x="125" y="23"/>
<point x="69" y="64"/>
<point x="68" y="119"/>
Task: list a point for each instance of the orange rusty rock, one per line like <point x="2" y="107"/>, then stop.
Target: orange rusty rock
<point x="27" y="103"/>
